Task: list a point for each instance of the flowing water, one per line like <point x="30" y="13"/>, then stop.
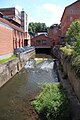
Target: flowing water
<point x="17" y="94"/>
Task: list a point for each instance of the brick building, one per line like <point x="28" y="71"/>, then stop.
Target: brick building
<point x="41" y="41"/>
<point x="71" y="13"/>
<point x="54" y="33"/>
<point x="15" y="17"/>
<point x="6" y="40"/>
<point x="11" y="37"/>
<point x="48" y="40"/>
<point x="13" y="30"/>
<point x="24" y="21"/>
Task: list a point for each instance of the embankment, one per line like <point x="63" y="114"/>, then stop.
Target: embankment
<point x="9" y="69"/>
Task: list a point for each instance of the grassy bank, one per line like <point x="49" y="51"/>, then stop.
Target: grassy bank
<point x="7" y="59"/>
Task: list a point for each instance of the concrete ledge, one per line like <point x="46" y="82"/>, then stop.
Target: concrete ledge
<point x="9" y="69"/>
<point x="5" y="56"/>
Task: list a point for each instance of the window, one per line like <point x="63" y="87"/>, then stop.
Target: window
<point x="55" y="31"/>
<point x="71" y="11"/>
<point x="44" y="42"/>
<point x="38" y="42"/>
<point x="70" y="19"/>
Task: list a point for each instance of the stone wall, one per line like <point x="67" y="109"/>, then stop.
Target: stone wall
<point x="67" y="68"/>
<point x="9" y="69"/>
<point x="73" y="78"/>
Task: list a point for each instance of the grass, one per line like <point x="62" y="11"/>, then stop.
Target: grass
<point x="38" y="61"/>
<point x="7" y="59"/>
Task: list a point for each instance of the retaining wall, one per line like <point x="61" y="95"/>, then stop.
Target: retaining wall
<point x="67" y="68"/>
<point x="73" y="78"/>
<point x="9" y="69"/>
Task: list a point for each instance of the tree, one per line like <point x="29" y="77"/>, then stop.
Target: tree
<point x="34" y="28"/>
<point x="73" y="33"/>
<point x="73" y="36"/>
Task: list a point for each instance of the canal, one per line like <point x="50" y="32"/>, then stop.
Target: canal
<point x="17" y="94"/>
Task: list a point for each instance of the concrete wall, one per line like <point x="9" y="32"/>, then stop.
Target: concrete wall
<point x="67" y="68"/>
<point x="74" y="80"/>
<point x="9" y="69"/>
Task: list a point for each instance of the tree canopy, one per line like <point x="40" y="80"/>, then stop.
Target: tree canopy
<point x="73" y="36"/>
<point x="34" y="28"/>
<point x="73" y="33"/>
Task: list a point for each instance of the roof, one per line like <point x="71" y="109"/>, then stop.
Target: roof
<point x="42" y="35"/>
<point x="1" y="13"/>
<point x="3" y="9"/>
<point x="67" y="7"/>
<point x="11" y="25"/>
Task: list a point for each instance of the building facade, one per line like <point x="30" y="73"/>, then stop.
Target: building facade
<point x="6" y="40"/>
<point x="54" y="33"/>
<point x="11" y="37"/>
<point x="49" y="39"/>
<point x="12" y="14"/>
<point x="24" y="21"/>
<point x="15" y="17"/>
<point x="70" y="14"/>
<point x="41" y="41"/>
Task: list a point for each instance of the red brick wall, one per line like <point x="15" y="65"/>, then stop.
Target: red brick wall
<point x="41" y="38"/>
<point x="6" y="40"/>
<point x="70" y="11"/>
<point x="18" y="39"/>
<point x="54" y="33"/>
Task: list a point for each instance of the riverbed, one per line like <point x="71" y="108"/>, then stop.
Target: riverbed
<point x="17" y="94"/>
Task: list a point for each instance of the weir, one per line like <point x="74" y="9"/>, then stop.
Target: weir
<point x="17" y="94"/>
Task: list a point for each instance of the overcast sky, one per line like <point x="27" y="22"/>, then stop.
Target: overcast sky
<point x="45" y="11"/>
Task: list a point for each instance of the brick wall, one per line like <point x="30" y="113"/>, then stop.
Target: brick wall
<point x="71" y="13"/>
<point x="54" y="33"/>
<point x="44" y="41"/>
<point x="18" y="39"/>
<point x="6" y="39"/>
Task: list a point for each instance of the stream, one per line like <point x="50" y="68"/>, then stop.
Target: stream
<point x="17" y="94"/>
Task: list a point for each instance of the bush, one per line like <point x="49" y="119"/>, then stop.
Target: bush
<point x="67" y="51"/>
<point x="76" y="65"/>
<point x="53" y="103"/>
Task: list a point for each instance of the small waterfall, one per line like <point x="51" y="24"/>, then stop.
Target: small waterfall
<point x="30" y="64"/>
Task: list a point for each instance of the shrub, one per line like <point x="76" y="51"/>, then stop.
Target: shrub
<point x="73" y="36"/>
<point x="67" y="51"/>
<point x="76" y="65"/>
<point x="53" y="103"/>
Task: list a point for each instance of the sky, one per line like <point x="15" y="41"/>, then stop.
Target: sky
<point x="44" y="11"/>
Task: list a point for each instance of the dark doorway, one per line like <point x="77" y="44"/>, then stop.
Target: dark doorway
<point x="43" y="50"/>
<point x="25" y="42"/>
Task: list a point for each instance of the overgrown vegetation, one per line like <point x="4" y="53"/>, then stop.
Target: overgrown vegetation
<point x="76" y="65"/>
<point x="73" y="46"/>
<point x="53" y="103"/>
<point x="67" y="50"/>
<point x="7" y="59"/>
